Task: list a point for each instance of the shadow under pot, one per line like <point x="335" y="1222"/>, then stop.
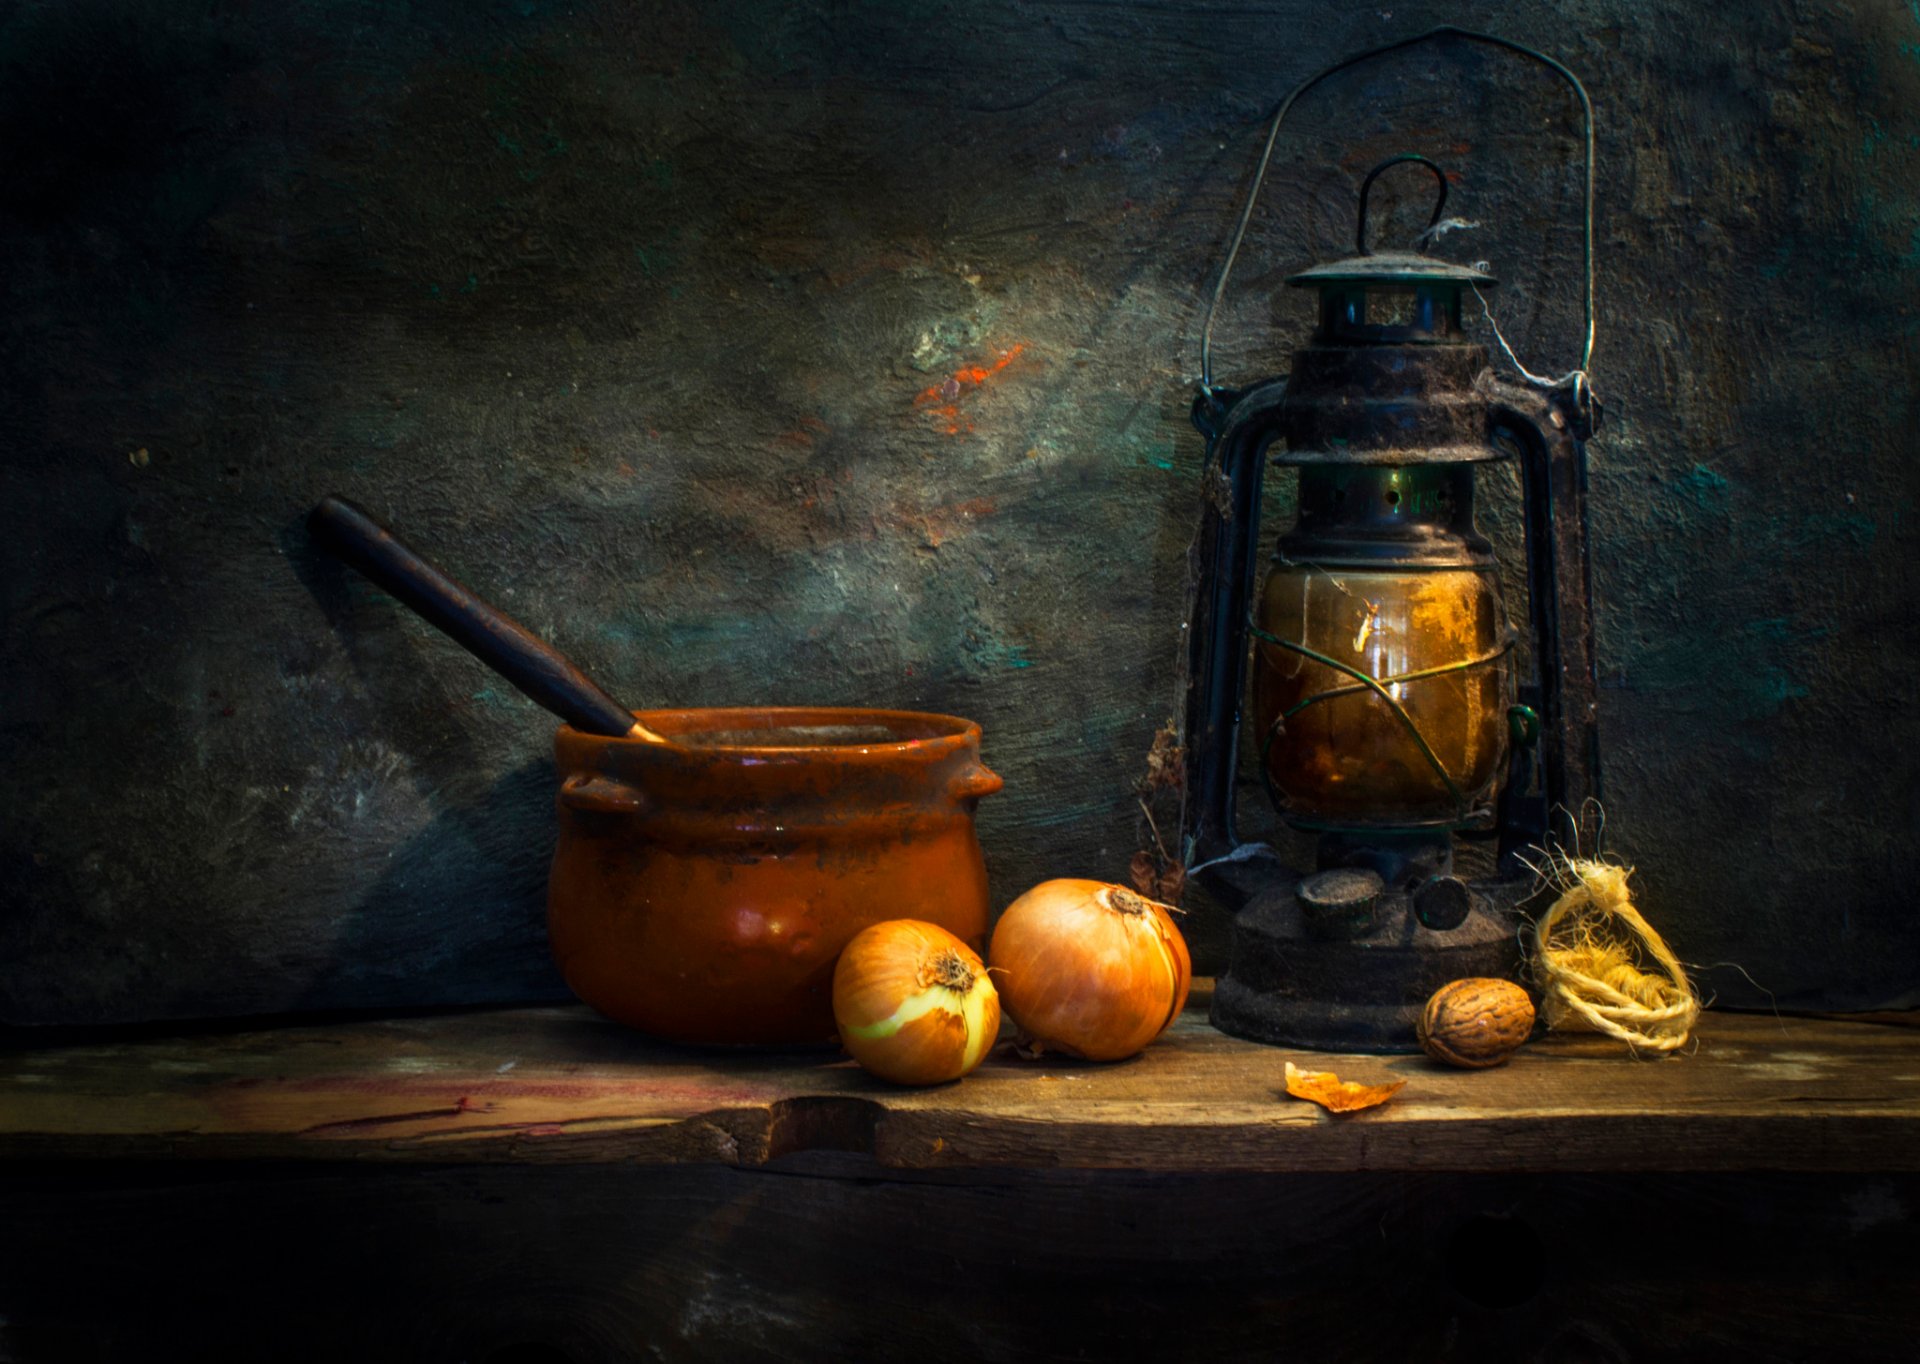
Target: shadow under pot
<point x="703" y="888"/>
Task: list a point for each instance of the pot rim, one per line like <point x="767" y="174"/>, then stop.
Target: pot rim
<point x="938" y="735"/>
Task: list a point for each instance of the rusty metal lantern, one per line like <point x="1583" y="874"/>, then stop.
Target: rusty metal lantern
<point x="1386" y="709"/>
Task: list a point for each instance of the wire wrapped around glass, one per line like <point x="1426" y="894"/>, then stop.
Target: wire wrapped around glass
<point x="1381" y="690"/>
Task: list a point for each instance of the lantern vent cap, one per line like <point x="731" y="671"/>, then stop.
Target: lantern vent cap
<point x="1391" y="267"/>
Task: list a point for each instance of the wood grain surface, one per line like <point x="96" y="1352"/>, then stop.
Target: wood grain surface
<point x="562" y="1085"/>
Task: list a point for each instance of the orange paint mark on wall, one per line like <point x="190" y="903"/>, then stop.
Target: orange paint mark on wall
<point x="936" y="525"/>
<point x="941" y="402"/>
<point x="805" y="433"/>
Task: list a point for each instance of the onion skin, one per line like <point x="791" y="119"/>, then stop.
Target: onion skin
<point x="1090" y="969"/>
<point x="914" y="1003"/>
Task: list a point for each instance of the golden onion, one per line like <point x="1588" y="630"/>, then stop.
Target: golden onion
<point x="1090" y="969"/>
<point x="914" y="1003"/>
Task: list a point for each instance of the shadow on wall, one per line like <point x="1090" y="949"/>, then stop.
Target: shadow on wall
<point x="462" y="898"/>
<point x="459" y="915"/>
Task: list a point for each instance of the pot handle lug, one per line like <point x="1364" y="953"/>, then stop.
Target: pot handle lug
<point x="601" y="796"/>
<point x="977" y="781"/>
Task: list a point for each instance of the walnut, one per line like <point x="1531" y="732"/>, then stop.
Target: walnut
<point x="1476" y="1023"/>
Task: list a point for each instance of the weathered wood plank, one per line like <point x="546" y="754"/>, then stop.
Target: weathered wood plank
<point x="561" y="1085"/>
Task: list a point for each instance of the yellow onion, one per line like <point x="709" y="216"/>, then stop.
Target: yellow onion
<point x="1089" y="969"/>
<point x="914" y="1003"/>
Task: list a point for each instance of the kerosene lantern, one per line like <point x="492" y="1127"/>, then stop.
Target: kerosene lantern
<point x="1386" y="712"/>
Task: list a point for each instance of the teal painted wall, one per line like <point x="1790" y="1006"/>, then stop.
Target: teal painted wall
<point x="840" y="353"/>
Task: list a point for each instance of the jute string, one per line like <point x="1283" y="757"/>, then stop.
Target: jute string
<point x="1589" y="951"/>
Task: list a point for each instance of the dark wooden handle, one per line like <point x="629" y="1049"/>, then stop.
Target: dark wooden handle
<point x="352" y="535"/>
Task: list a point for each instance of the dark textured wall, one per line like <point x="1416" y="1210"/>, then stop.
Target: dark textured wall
<point x="839" y="352"/>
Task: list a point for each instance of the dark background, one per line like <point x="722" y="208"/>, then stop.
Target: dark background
<point x="639" y="316"/>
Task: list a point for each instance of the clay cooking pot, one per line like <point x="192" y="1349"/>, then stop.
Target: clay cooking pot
<point x="702" y="888"/>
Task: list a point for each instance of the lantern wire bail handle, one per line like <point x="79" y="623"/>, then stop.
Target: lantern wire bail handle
<point x="1578" y="376"/>
<point x="1360" y="246"/>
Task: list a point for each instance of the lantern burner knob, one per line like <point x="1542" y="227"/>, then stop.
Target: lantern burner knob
<point x="1442" y="903"/>
<point x="1340" y="903"/>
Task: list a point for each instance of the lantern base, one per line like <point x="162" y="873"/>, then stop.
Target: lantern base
<point x="1287" y="986"/>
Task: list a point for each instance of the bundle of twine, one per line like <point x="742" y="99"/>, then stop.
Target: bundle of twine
<point x="1590" y="952"/>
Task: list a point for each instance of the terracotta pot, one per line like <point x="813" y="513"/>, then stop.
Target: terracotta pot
<point x="703" y="888"/>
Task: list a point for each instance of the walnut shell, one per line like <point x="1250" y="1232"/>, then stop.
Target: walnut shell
<point x="1475" y="1023"/>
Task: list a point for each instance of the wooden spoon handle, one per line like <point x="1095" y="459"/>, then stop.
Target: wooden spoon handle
<point x="534" y="666"/>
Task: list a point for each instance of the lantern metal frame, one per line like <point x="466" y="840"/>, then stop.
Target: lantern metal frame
<point x="1342" y="957"/>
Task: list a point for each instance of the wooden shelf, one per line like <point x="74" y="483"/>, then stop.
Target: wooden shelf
<point x="560" y="1085"/>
